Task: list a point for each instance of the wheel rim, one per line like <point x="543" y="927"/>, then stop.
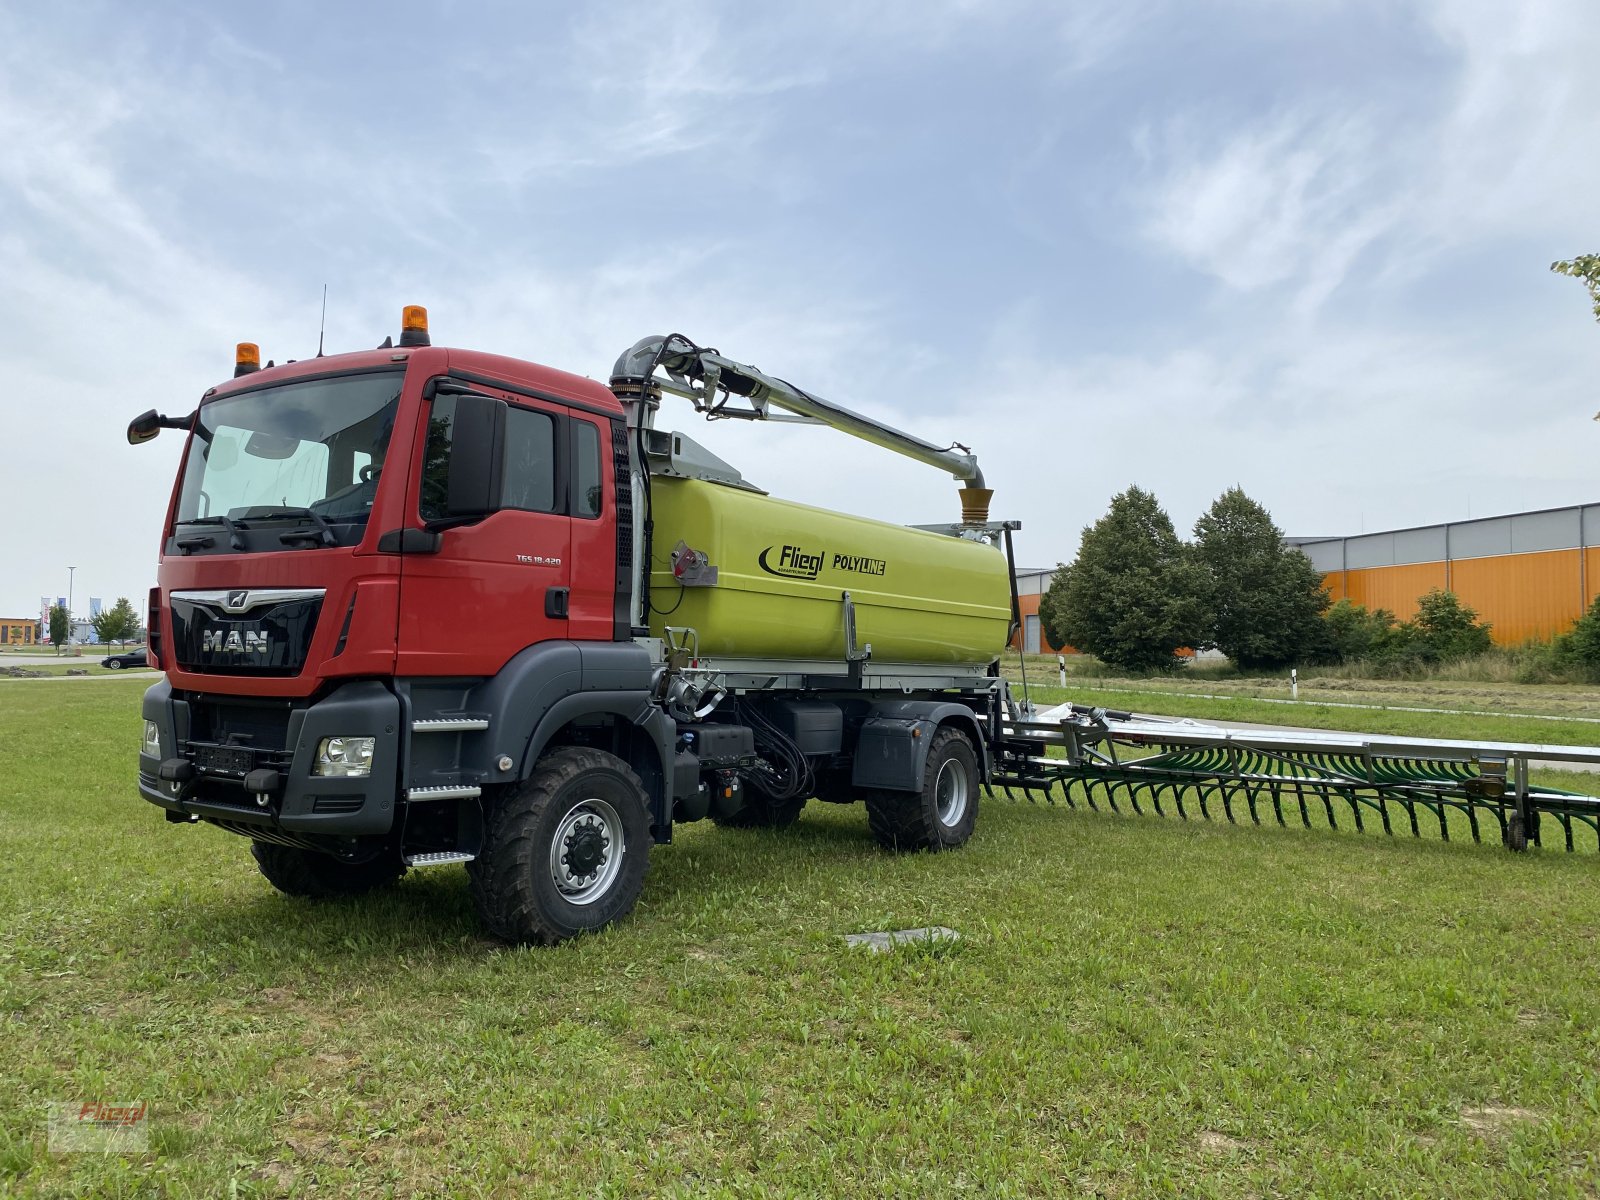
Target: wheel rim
<point x="586" y="852"/>
<point x="950" y="792"/>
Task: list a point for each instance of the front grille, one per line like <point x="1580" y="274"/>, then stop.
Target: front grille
<point x="244" y="632"/>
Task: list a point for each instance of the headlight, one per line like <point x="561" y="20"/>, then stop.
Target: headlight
<point x="152" y="740"/>
<point x="344" y="756"/>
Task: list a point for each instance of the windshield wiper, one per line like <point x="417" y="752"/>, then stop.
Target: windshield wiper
<point x="322" y="531"/>
<point x="196" y="541"/>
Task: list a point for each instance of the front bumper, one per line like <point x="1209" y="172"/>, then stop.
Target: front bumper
<point x="300" y="803"/>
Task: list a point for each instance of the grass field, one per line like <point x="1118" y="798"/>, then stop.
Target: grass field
<point x="1136" y="1007"/>
<point x="1321" y="685"/>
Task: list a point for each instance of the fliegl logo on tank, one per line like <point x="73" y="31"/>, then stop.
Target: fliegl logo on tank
<point x="794" y="562"/>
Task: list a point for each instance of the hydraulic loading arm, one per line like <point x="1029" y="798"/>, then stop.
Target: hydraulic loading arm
<point x="711" y="381"/>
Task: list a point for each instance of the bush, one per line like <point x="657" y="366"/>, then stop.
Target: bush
<point x="1353" y="633"/>
<point x="1446" y="629"/>
<point x="1578" y="650"/>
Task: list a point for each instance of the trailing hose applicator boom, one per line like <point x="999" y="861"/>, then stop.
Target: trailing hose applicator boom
<point x="700" y="374"/>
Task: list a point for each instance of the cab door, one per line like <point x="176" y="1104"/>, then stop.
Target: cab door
<point x="498" y="583"/>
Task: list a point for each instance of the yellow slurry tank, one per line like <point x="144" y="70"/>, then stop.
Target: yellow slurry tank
<point x="782" y="569"/>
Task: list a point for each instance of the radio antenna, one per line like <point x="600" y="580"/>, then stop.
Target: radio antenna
<point x="322" y="328"/>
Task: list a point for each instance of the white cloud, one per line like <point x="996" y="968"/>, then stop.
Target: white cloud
<point x="1292" y="199"/>
<point x="1285" y="200"/>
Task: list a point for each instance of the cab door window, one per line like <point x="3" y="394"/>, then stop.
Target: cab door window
<point x="530" y="478"/>
<point x="587" y="489"/>
<point x="435" y="486"/>
<point x="528" y="468"/>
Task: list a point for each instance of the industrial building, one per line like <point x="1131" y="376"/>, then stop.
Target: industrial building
<point x="1530" y="575"/>
<point x="19" y="631"/>
<point x="1032" y="583"/>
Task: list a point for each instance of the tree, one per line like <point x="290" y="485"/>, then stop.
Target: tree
<point x="1586" y="269"/>
<point x="60" y="626"/>
<point x="1134" y="594"/>
<point x="119" y="623"/>
<point x="1266" y="599"/>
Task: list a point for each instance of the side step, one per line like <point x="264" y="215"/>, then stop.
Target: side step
<point x="449" y="724"/>
<point x="446" y="791"/>
<point x="438" y="858"/>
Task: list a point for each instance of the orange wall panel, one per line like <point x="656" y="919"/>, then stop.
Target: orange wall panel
<point x="1521" y="595"/>
<point x="1394" y="588"/>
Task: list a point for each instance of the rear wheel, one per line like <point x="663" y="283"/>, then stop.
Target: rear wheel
<point x="296" y="872"/>
<point x="943" y="813"/>
<point x="566" y="852"/>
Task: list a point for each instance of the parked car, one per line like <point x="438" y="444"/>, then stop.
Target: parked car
<point x="130" y="658"/>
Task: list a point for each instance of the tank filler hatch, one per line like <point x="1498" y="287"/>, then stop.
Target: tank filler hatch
<point x="677" y="454"/>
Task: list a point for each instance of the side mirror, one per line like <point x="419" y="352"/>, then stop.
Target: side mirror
<point x="144" y="427"/>
<point x="147" y="424"/>
<point x="477" y="437"/>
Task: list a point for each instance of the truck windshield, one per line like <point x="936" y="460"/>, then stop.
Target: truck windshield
<point x="288" y="453"/>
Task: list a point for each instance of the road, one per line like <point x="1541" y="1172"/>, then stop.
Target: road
<point x="135" y="673"/>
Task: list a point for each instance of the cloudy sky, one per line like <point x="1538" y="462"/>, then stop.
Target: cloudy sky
<point x="1302" y="247"/>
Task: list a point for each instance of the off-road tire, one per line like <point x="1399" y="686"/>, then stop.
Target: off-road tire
<point x="513" y="882"/>
<point x="913" y="820"/>
<point x="761" y="812"/>
<point x="296" y="872"/>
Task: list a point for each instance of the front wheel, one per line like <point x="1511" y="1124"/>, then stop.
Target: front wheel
<point x="943" y="813"/>
<point x="565" y="852"/>
<point x="115" y="664"/>
<point x="296" y="872"/>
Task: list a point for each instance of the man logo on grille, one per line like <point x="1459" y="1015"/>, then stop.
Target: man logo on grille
<point x="215" y="641"/>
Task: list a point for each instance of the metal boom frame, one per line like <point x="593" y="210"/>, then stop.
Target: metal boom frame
<point x="1189" y="770"/>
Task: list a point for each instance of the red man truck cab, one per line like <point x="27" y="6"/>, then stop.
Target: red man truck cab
<point x="367" y="559"/>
